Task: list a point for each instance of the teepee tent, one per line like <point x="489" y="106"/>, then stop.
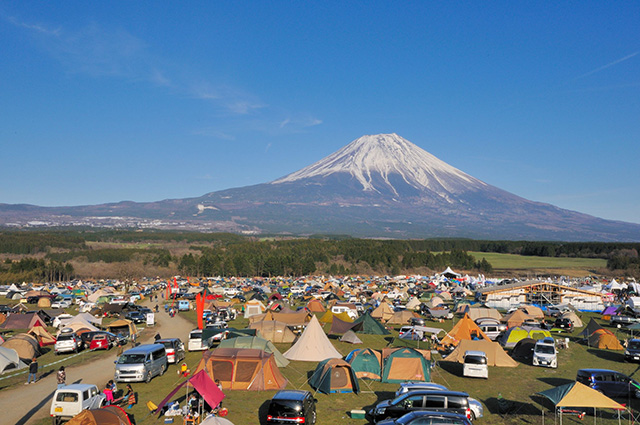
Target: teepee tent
<point x="313" y="345"/>
<point x="383" y="312"/>
<point x="334" y="376"/>
<point x="464" y="329"/>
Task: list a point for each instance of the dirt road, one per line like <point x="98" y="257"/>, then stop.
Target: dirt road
<point x="25" y="404"/>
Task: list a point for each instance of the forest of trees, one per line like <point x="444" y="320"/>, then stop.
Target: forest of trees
<point x="35" y="270"/>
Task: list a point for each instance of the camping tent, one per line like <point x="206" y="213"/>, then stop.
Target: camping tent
<point x="203" y="384"/>
<point x="9" y="360"/>
<point x="476" y="313"/>
<point x="383" y="312"/>
<point x="253" y="308"/>
<point x="242" y="369"/>
<point x="605" y="339"/>
<point x="401" y="317"/>
<point x="532" y="310"/>
<point x="516" y="318"/>
<point x="122" y="326"/>
<point x="367" y="324"/>
<point x="510" y="338"/>
<point x="592" y="326"/>
<point x="334" y="376"/>
<point x="23" y="321"/>
<point x="405" y="364"/>
<point x="43" y="337"/>
<point x="313" y="345"/>
<point x="329" y="316"/>
<point x="351" y="337"/>
<point x="496" y="356"/>
<point x="25" y="345"/>
<point x="274" y="331"/>
<point x="412" y="304"/>
<point x="464" y="329"/>
<point x="524" y="349"/>
<point x="44" y="302"/>
<point x="291" y="319"/>
<point x="366" y="363"/>
<point x="216" y="420"/>
<point x="315" y="306"/>
<point x="575" y="319"/>
<point x="255" y="342"/>
<point x="108" y="415"/>
<point x="576" y="394"/>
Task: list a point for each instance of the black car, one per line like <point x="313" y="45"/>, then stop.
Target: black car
<point x="632" y="351"/>
<point x="292" y="407"/>
<point x="136" y="317"/>
<point x="563" y="324"/>
<point x="431" y="400"/>
<point x="428" y="418"/>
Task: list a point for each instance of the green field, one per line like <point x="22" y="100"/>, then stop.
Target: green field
<point x="521" y="262"/>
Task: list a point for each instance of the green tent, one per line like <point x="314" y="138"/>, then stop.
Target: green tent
<point x="366" y="363"/>
<point x="366" y="324"/>
<point x="334" y="376"/>
<point x="255" y="342"/>
<point x="404" y="364"/>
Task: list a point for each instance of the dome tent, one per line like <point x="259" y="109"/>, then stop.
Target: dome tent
<point x="404" y="364"/>
<point x="334" y="376"/>
<point x="366" y="363"/>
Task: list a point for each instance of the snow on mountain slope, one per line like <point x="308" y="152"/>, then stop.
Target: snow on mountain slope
<point x="379" y="159"/>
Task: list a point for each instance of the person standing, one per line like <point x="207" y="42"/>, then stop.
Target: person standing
<point x="33" y="371"/>
<point x="61" y="376"/>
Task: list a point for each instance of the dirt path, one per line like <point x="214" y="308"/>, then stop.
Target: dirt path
<point x="26" y="404"/>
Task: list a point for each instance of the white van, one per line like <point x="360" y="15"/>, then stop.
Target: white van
<point x="70" y="400"/>
<point x="545" y="353"/>
<point x="475" y="364"/>
<point x="337" y="309"/>
<point x="141" y="363"/>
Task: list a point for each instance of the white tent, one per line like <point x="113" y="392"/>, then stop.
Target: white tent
<point x="313" y="345"/>
<point x="413" y="303"/>
<point x="9" y="360"/>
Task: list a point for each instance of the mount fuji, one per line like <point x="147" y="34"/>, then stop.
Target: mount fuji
<point x="376" y="186"/>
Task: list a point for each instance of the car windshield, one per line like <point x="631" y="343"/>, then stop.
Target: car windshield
<point x="64" y="337"/>
<point x="285" y="407"/>
<point x="544" y="349"/>
<point x="131" y="359"/>
<point x="634" y="345"/>
<point x="195" y="335"/>
<point x="475" y="360"/>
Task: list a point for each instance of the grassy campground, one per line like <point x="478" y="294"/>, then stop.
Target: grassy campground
<point x="515" y="384"/>
<point x="516" y="264"/>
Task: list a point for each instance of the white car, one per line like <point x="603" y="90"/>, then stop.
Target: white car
<point x="67" y="342"/>
<point x="61" y="304"/>
<point x="545" y="353"/>
<point x="70" y="400"/>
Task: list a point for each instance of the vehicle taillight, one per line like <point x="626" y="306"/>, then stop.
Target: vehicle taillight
<point x="299" y="420"/>
<point x="269" y="417"/>
<point x="468" y="413"/>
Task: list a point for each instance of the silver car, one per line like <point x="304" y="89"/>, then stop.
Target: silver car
<point x="477" y="411"/>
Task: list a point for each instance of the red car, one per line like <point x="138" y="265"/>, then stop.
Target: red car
<point x="99" y="342"/>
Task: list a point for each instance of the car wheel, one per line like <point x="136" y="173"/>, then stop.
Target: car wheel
<point x="313" y="418"/>
<point x="148" y="378"/>
<point x="162" y="370"/>
<point x="56" y="420"/>
<point x="618" y="325"/>
<point x="473" y="416"/>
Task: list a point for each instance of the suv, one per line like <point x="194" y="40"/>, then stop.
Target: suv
<point x="545" y="353"/>
<point x="475" y="364"/>
<point x="195" y="341"/>
<point x="491" y="327"/>
<point x="292" y="406"/>
<point x="427" y="417"/>
<point x="136" y="317"/>
<point x="438" y="401"/>
<point x="609" y="382"/>
<point x="477" y="411"/>
<point x="174" y="348"/>
<point x="67" y="342"/>
<point x="620" y="321"/>
<point x="632" y="352"/>
<point x="563" y="323"/>
<point x="70" y="400"/>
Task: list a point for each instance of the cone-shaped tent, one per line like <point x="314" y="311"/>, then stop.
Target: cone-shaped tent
<point x="496" y="356"/>
<point x="383" y="312"/>
<point x="464" y="329"/>
<point x="366" y="363"/>
<point x="313" y="345"/>
<point x="592" y="326"/>
<point x="334" y="376"/>
<point x="255" y="342"/>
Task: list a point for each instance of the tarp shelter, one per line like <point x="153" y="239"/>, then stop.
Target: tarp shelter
<point x="10" y="360"/>
<point x="242" y="369"/>
<point x="513" y="335"/>
<point x="366" y="363"/>
<point x="464" y="329"/>
<point x="108" y="415"/>
<point x="605" y="339"/>
<point x="23" y="321"/>
<point x="405" y="364"/>
<point x="524" y="349"/>
<point x="334" y="376"/>
<point x="122" y="326"/>
<point x="313" y="345"/>
<point x="25" y="345"/>
<point x="253" y="307"/>
<point x="383" y="312"/>
<point x="315" y="306"/>
<point x="43" y="337"/>
<point x="576" y="394"/>
<point x="350" y="337"/>
<point x="274" y="331"/>
<point x="401" y="317"/>
<point x="476" y="313"/>
<point x="496" y="356"/>
<point x="203" y="384"/>
<point x="367" y="324"/>
<point x="516" y="318"/>
<point x="255" y="342"/>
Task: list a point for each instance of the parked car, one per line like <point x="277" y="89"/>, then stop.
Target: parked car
<point x="292" y="407"/>
<point x="70" y="400"/>
<point x="563" y="323"/>
<point x="100" y="342"/>
<point x="439" y="401"/>
<point x="428" y="418"/>
<point x="475" y="364"/>
<point x="620" y="321"/>
<point x="141" y="363"/>
<point x="632" y="352"/>
<point x="409" y="332"/>
<point x="609" y="382"/>
<point x="416" y="321"/>
<point x="87" y="337"/>
<point x="477" y="410"/>
<point x="136" y="317"/>
<point x="545" y="353"/>
<point x="174" y="348"/>
<point x="195" y="341"/>
<point x="67" y="342"/>
<point x="61" y="304"/>
<point x="491" y="327"/>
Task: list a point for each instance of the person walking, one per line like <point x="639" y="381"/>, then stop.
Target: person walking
<point x="61" y="376"/>
<point x="33" y="371"/>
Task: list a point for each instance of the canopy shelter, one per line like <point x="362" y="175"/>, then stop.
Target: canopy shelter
<point x="274" y="331"/>
<point x="496" y="356"/>
<point x="203" y="384"/>
<point x="576" y="394"/>
<point x="108" y="415"/>
<point x="334" y="376"/>
<point x="255" y="342"/>
<point x="313" y="345"/>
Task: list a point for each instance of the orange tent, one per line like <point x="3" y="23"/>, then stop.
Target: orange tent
<point x="315" y="306"/>
<point x="603" y="338"/>
<point x="464" y="329"/>
<point x="516" y="318"/>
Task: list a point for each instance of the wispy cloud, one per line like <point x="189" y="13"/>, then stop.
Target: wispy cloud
<point x="609" y="65"/>
<point x="35" y="27"/>
<point x="213" y="132"/>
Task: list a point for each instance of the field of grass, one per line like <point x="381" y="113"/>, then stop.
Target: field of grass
<point x="521" y="262"/>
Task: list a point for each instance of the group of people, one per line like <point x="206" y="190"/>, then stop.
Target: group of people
<point x="113" y="397"/>
<point x="61" y="375"/>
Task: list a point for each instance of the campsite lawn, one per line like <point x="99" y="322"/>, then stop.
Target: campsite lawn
<point x="523" y="262"/>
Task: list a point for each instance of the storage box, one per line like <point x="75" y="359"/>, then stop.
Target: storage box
<point x="357" y="414"/>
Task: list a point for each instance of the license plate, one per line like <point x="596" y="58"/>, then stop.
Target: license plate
<point x="636" y="358"/>
<point x="58" y="409"/>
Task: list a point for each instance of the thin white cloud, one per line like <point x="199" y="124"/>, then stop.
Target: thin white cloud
<point x="267" y="148"/>
<point x="213" y="132"/>
<point x="35" y="27"/>
<point x="609" y="65"/>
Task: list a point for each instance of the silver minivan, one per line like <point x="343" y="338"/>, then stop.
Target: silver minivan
<point x="141" y="363"/>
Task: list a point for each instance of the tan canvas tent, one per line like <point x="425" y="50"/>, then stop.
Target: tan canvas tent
<point x="44" y="302"/>
<point x="516" y="318"/>
<point x="496" y="356"/>
<point x="401" y="317"/>
<point x="605" y="339"/>
<point x="274" y="331"/>
<point x="481" y="312"/>
<point x="383" y="312"/>
<point x="242" y="369"/>
<point x="43" y="337"/>
<point x="108" y="415"/>
<point x="25" y="345"/>
<point x="313" y="345"/>
<point x="532" y="310"/>
<point x="122" y="325"/>
<point x="291" y="319"/>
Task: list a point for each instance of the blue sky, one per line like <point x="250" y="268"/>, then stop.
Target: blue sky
<point x="110" y="101"/>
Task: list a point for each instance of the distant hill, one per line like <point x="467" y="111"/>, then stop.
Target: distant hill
<point x="377" y="186"/>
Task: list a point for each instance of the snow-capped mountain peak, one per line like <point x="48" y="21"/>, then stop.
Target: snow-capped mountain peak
<point x="383" y="159"/>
